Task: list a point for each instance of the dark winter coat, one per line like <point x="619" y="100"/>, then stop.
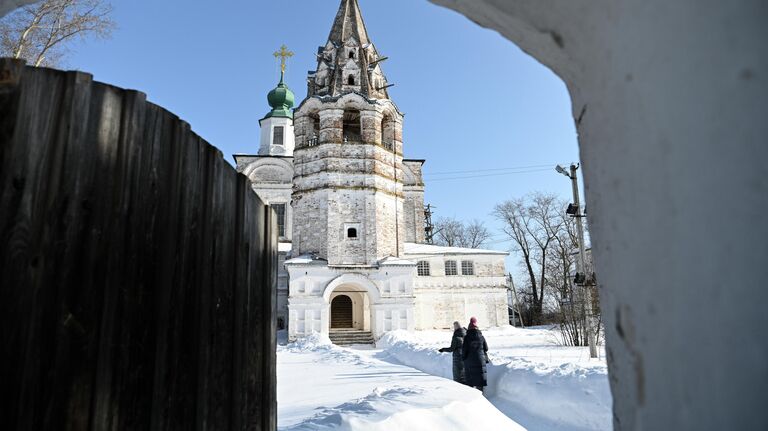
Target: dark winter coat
<point x="458" y="364"/>
<point x="474" y="354"/>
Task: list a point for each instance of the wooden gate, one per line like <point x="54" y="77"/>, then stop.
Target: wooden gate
<point x="137" y="268"/>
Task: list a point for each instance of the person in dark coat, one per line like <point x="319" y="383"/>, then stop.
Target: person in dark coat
<point x="475" y="356"/>
<point x="456" y="343"/>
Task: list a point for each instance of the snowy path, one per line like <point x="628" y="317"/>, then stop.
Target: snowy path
<point x="539" y="384"/>
<point x="322" y="386"/>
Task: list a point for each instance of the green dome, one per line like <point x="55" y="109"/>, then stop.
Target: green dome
<point x="281" y="99"/>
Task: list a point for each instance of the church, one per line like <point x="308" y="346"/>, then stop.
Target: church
<point x="353" y="258"/>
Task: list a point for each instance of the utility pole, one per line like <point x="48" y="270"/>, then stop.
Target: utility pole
<point x="428" y="226"/>
<point x="516" y="302"/>
<point x="581" y="270"/>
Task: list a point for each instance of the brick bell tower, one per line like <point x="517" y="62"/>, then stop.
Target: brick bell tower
<point x="348" y="191"/>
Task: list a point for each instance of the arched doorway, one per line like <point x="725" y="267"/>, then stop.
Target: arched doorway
<point x="341" y="312"/>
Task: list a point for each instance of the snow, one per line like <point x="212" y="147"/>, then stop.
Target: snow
<point x="541" y="385"/>
<point x="322" y="386"/>
<point x="405" y="384"/>
<point x="306" y="259"/>
<point x="396" y="261"/>
<point x="414" y="248"/>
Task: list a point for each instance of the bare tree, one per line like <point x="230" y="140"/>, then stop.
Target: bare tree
<point x="40" y="33"/>
<point x="454" y="233"/>
<point x="532" y="225"/>
<point x="475" y="234"/>
<point x="568" y="301"/>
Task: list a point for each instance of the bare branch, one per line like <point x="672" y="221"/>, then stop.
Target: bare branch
<point x="41" y="33"/>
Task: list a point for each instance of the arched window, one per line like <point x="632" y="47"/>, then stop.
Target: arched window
<point x="313" y="134"/>
<point x="388" y="132"/>
<point x="351" y="233"/>
<point x="352" y="127"/>
<point x="351" y="80"/>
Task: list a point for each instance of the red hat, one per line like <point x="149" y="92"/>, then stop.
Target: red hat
<point x="472" y="321"/>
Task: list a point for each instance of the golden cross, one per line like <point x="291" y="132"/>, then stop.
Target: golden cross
<point x="283" y="54"/>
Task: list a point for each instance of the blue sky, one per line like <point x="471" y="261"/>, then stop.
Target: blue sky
<point x="472" y="100"/>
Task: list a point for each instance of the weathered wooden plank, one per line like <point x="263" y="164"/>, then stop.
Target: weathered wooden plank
<point x="137" y="279"/>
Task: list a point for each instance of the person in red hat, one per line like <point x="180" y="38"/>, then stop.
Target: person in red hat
<point x="475" y="356"/>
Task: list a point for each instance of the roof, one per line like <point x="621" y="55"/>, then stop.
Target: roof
<point x="306" y="259"/>
<point x="392" y="261"/>
<point x="413" y="248"/>
<point x="348" y="23"/>
<point x="248" y="157"/>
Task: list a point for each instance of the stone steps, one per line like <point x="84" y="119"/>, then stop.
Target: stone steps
<point x="347" y="338"/>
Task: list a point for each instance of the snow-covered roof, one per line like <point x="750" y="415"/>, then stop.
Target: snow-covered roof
<point x="396" y="261"/>
<point x="306" y="259"/>
<point x="413" y="248"/>
<point x="284" y="246"/>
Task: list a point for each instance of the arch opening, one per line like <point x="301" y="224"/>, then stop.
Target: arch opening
<point x="341" y="312"/>
<point x="350" y="308"/>
<point x="352" y="127"/>
<point x="388" y="132"/>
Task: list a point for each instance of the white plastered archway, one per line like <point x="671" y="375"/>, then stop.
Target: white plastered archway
<point x="364" y="295"/>
<point x="352" y="279"/>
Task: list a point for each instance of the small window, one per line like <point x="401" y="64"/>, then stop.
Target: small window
<point x="352" y="54"/>
<point x="450" y="267"/>
<point x="280" y="212"/>
<point x="277" y="135"/>
<point x="422" y="268"/>
<point x="351" y="233"/>
<point x="351" y="80"/>
<point x="467" y="267"/>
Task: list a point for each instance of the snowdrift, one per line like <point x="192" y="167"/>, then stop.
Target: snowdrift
<point x="566" y="396"/>
<point x="325" y="387"/>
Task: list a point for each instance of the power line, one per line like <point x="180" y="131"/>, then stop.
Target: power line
<point x="472" y="171"/>
<point x="432" y="180"/>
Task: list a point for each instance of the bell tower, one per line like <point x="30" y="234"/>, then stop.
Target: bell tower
<point x="348" y="183"/>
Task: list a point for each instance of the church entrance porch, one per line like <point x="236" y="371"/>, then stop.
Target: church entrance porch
<point x="350" y="308"/>
<point x="324" y="299"/>
<point x="350" y="316"/>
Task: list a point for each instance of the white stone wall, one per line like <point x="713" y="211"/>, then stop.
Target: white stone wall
<point x="438" y="308"/>
<point x="669" y="101"/>
<point x="267" y="145"/>
<point x="442" y="299"/>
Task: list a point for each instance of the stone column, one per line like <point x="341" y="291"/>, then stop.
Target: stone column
<point x="371" y="124"/>
<point x="331" y="126"/>
<point x="302" y="126"/>
<point x="398" y="135"/>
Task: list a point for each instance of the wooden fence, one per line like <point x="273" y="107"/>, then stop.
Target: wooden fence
<point x="137" y="268"/>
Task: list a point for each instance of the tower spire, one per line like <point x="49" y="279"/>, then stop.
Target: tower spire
<point x="349" y="22"/>
<point x="348" y="62"/>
